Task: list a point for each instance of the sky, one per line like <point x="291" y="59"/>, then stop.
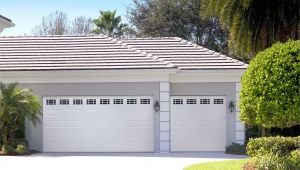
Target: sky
<point x="26" y="14"/>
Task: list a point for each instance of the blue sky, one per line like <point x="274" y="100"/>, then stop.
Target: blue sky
<point x="26" y="14"/>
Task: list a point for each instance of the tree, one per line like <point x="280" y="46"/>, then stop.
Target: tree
<point x="270" y="96"/>
<point x="255" y="24"/>
<point x="110" y="24"/>
<point x="177" y="18"/>
<point x="16" y="105"/>
<point x="82" y="25"/>
<point x="57" y="23"/>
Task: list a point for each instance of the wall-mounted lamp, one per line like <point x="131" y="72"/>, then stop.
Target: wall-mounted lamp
<point x="156" y="106"/>
<point x="231" y="106"/>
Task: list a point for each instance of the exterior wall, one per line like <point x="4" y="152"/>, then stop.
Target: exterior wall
<point x="34" y="135"/>
<point x="164" y="117"/>
<point x="239" y="126"/>
<point x="211" y="89"/>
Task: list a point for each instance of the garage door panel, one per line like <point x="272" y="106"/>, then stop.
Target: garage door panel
<point x="97" y="125"/>
<point x="198" y="123"/>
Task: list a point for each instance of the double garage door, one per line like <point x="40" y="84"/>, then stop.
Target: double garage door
<point x="98" y="124"/>
<point x="125" y="123"/>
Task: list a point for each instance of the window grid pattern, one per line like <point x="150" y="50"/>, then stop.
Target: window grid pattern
<point x="204" y="101"/>
<point x="177" y="101"/>
<point x="218" y="101"/>
<point x="91" y="101"/>
<point x="145" y="101"/>
<point x="104" y="101"/>
<point x="77" y="101"/>
<point x="50" y="102"/>
<point x="131" y="101"/>
<point x="118" y="101"/>
<point x="64" y="101"/>
<point x="191" y="101"/>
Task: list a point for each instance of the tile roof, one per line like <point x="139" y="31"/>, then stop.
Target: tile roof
<point x="104" y="53"/>
<point x="185" y="55"/>
<point x="71" y="53"/>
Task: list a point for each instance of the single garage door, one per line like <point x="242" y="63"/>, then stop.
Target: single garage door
<point x="98" y="124"/>
<point x="198" y="123"/>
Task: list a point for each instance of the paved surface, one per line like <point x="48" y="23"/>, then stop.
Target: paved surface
<point x="110" y="161"/>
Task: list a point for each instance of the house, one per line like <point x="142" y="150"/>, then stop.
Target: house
<point x="5" y="23"/>
<point x="101" y="94"/>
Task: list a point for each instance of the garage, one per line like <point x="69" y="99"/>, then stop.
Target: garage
<point x="98" y="124"/>
<point x="198" y="123"/>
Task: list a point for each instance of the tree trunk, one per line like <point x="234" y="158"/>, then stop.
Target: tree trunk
<point x="263" y="131"/>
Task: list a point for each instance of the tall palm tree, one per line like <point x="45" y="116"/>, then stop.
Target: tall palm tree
<point x="16" y="105"/>
<point x="255" y="24"/>
<point x="109" y="24"/>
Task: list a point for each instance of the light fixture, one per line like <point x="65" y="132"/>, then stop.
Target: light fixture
<point x="156" y="106"/>
<point x="231" y="106"/>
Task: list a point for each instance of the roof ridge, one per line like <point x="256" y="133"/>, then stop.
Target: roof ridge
<point x="150" y="38"/>
<point x="65" y="35"/>
<point x="214" y="52"/>
<point x="119" y="41"/>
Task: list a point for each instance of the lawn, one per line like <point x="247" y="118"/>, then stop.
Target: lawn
<point x="222" y="165"/>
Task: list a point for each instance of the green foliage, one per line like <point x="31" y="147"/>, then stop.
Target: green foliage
<point x="278" y="153"/>
<point x="236" y="149"/>
<point x="280" y="146"/>
<point x="294" y="160"/>
<point x="110" y="24"/>
<point x="16" y="105"/>
<point x="21" y="149"/>
<point x="7" y="149"/>
<point x="255" y="24"/>
<point x="177" y="18"/>
<point x="270" y="95"/>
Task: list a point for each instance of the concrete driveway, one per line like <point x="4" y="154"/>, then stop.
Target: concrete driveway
<point x="110" y="161"/>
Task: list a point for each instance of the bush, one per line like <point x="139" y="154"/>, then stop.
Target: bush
<point x="294" y="160"/>
<point x="278" y="153"/>
<point x="7" y="149"/>
<point x="236" y="149"/>
<point x="281" y="146"/>
<point x="270" y="95"/>
<point x="21" y="149"/>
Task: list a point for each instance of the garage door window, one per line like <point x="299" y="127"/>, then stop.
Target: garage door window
<point x="104" y="101"/>
<point x="204" y="101"/>
<point x="145" y="101"/>
<point x="90" y="101"/>
<point x="191" y="101"/>
<point x="64" y="101"/>
<point x="118" y="101"/>
<point x="131" y="101"/>
<point x="50" y="102"/>
<point x="177" y="101"/>
<point x="77" y="101"/>
<point x="218" y="101"/>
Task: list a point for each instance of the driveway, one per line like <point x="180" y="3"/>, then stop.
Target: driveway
<point x="111" y="161"/>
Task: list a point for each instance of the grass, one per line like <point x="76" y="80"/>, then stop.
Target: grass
<point x="221" y="165"/>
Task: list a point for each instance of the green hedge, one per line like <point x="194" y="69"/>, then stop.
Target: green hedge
<point x="277" y="145"/>
<point x="275" y="153"/>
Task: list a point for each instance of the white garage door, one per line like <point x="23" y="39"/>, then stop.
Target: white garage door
<point x="198" y="123"/>
<point x="98" y="124"/>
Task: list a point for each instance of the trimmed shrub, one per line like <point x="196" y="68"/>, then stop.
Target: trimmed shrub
<point x="278" y="153"/>
<point x="294" y="160"/>
<point x="236" y="149"/>
<point x="280" y="146"/>
<point x="7" y="149"/>
<point x="21" y="149"/>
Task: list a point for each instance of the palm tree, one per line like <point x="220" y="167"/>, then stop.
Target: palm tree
<point x="16" y="105"/>
<point x="109" y="24"/>
<point x="255" y="24"/>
